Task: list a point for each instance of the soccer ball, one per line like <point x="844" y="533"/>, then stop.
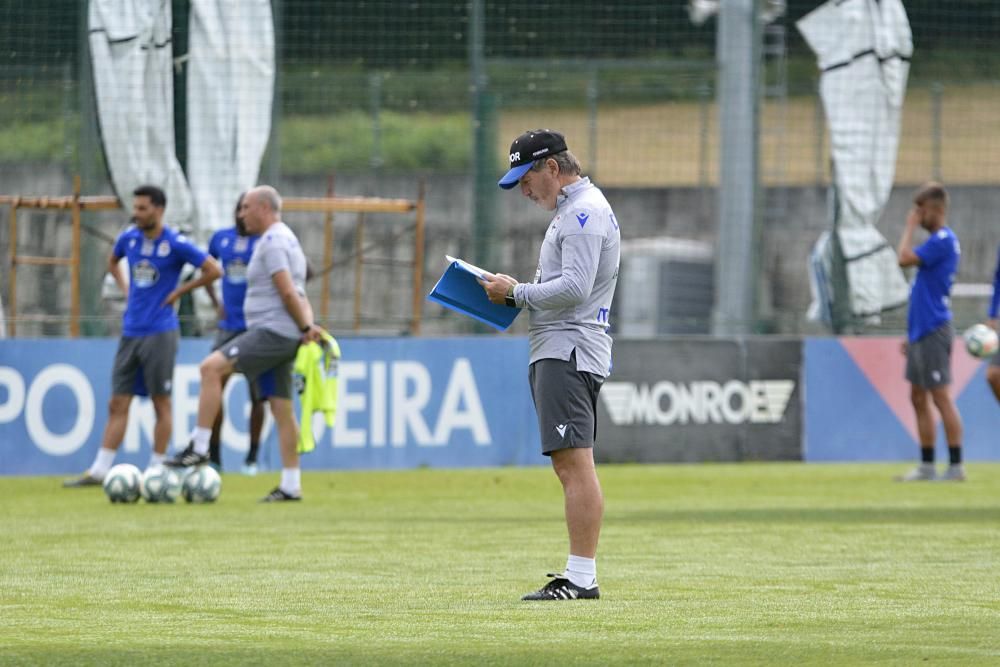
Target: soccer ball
<point x="981" y="341"/>
<point x="202" y="485"/>
<point x="160" y="485"/>
<point x="122" y="482"/>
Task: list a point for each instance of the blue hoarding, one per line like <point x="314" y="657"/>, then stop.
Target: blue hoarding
<point x="858" y="407"/>
<point x="403" y="403"/>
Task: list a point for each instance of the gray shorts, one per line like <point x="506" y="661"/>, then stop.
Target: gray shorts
<point x="144" y="365"/>
<point x="266" y="359"/>
<point x="928" y="361"/>
<point x="223" y="336"/>
<point x="566" y="403"/>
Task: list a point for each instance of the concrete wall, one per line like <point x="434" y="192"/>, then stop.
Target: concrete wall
<point x="786" y="238"/>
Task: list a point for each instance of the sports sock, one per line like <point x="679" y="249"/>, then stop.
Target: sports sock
<point x="102" y="463"/>
<point x="156" y="459"/>
<point x="581" y="571"/>
<point x="252" y="454"/>
<point x="927" y="454"/>
<point x="291" y="481"/>
<point x="954" y="454"/>
<point x="200" y="438"/>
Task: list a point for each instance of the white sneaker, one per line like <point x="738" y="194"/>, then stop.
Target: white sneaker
<point x="922" y="473"/>
<point x="953" y="473"/>
<point x="249" y="469"/>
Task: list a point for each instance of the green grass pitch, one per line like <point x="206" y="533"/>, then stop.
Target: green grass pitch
<point x="753" y="564"/>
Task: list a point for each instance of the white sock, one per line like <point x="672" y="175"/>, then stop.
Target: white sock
<point x="200" y="437"/>
<point x="156" y="460"/>
<point x="291" y="481"/>
<point x="102" y="463"/>
<point x="581" y="571"/>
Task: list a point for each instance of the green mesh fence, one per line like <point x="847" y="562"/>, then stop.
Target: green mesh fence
<point x="385" y="84"/>
<point x="382" y="94"/>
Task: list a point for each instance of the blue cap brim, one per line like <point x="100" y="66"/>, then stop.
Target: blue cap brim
<point x="511" y="178"/>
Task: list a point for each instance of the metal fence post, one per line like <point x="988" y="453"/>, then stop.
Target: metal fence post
<point x="738" y="54"/>
<point x="936" y="92"/>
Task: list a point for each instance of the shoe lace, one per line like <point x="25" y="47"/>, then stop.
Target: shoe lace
<point x="558" y="587"/>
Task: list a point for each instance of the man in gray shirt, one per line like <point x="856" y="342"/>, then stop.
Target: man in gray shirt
<point x="569" y="304"/>
<point x="279" y="317"/>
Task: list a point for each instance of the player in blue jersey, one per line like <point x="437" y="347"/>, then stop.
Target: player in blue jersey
<point x="144" y="363"/>
<point x="232" y="247"/>
<point x="929" y="330"/>
<point x="993" y="371"/>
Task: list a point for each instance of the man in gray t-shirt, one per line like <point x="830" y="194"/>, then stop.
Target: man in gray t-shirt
<point x="279" y="317"/>
<point x="569" y="305"/>
<point x="277" y="250"/>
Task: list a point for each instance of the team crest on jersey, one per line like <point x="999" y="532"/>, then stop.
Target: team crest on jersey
<point x="163" y="249"/>
<point x="236" y="272"/>
<point x="144" y="273"/>
<point x="241" y="244"/>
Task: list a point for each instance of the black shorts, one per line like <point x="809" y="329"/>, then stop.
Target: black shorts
<point x="566" y="403"/>
<point x="928" y="361"/>
<point x="144" y="365"/>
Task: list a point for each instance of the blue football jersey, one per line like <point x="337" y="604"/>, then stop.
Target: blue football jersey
<point x="995" y="301"/>
<point x="233" y="252"/>
<point x="930" y="296"/>
<point x="154" y="271"/>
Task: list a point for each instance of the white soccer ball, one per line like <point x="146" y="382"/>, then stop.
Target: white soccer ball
<point x="981" y="341"/>
<point x="202" y="485"/>
<point x="160" y="485"/>
<point x="122" y="483"/>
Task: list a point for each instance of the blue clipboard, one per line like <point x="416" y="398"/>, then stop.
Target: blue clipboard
<point x="458" y="290"/>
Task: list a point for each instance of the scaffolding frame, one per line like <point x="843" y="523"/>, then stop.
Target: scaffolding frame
<point x="327" y="205"/>
<point x="76" y="204"/>
<point x="363" y="205"/>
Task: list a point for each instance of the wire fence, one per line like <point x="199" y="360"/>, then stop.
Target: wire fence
<point x="385" y="95"/>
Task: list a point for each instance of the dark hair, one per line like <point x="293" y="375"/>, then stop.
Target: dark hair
<point x="931" y="192"/>
<point x="155" y="194"/>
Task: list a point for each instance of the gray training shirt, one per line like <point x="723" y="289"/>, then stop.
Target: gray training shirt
<point x="278" y="249"/>
<point x="570" y="301"/>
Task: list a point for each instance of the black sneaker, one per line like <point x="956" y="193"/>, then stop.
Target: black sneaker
<point x="561" y="588"/>
<point x="86" y="479"/>
<point x="279" y="496"/>
<point x="187" y="458"/>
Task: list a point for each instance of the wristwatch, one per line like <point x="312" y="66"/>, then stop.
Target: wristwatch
<point x="509" y="297"/>
<point x="306" y="328"/>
